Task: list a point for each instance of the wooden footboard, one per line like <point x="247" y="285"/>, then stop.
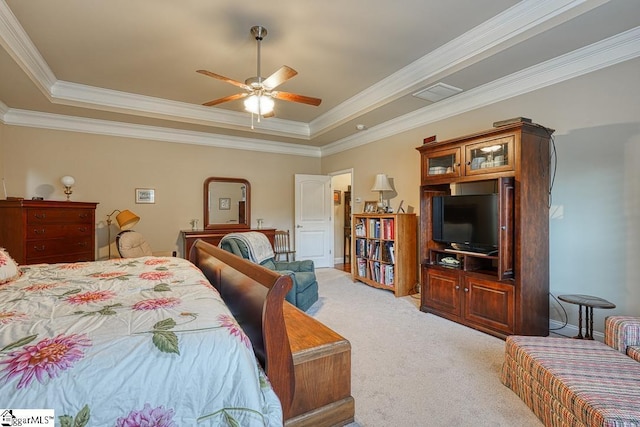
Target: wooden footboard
<point x="255" y="296"/>
<point x="308" y="364"/>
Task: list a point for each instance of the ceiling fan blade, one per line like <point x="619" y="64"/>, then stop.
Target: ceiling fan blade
<point x="224" y="79"/>
<point x="225" y="99"/>
<point x="281" y="75"/>
<point x="286" y="96"/>
<point x="271" y="114"/>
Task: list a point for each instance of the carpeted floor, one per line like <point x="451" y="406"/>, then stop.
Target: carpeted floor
<point x="411" y="368"/>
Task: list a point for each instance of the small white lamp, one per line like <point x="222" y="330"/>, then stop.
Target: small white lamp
<point x="68" y="182"/>
<point x="381" y="185"/>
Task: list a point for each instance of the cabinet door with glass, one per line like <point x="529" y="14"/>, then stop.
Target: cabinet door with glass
<point x="441" y="164"/>
<point x="494" y="155"/>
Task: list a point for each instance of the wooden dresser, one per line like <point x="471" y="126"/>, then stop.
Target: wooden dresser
<point x="46" y="231"/>
<point x="214" y="235"/>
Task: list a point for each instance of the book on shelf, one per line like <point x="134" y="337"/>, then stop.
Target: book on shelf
<point x="374" y="249"/>
<point x="374" y="228"/>
<point x="375" y="271"/>
<point x="362" y="267"/>
<point x="387" y="252"/>
<point x="388" y="228"/>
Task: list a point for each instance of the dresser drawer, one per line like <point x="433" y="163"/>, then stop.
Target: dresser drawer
<point x="59" y="216"/>
<point x="52" y="247"/>
<point x="45" y="231"/>
<point x="61" y="257"/>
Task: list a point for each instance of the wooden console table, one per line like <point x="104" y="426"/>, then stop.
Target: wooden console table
<point x="214" y="235"/>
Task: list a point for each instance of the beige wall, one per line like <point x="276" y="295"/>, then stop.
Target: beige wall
<point x="595" y="215"/>
<point x="109" y="169"/>
<point x="2" y="126"/>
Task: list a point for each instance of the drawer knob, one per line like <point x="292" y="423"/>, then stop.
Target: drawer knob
<point x="83" y="244"/>
<point x="39" y="231"/>
<point x="40" y="215"/>
<point x="82" y="229"/>
<point x="39" y="248"/>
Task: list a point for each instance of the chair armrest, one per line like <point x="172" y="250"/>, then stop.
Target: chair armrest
<point x="306" y="265"/>
<point x="621" y="332"/>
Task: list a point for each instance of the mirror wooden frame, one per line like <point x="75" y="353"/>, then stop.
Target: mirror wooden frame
<point x="208" y="197"/>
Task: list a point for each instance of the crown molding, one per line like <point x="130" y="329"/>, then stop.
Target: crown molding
<point x="525" y="19"/>
<point x="614" y="50"/>
<point x="128" y="130"/>
<point x="75" y="94"/>
<point x="18" y="44"/>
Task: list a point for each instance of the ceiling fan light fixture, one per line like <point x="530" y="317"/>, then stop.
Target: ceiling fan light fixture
<point x="259" y="104"/>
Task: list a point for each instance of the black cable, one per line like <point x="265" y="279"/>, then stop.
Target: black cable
<point x="566" y="317"/>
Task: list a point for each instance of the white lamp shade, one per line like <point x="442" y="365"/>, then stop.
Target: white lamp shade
<point x="259" y="104"/>
<point x="382" y="183"/>
<point x="67" y="181"/>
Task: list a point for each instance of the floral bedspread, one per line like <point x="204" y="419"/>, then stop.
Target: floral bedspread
<point x="128" y="342"/>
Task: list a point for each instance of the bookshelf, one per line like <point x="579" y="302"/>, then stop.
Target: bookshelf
<point x="384" y="251"/>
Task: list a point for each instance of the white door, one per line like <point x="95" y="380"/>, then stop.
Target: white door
<point x="313" y="219"/>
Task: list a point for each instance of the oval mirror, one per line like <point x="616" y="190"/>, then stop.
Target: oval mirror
<point x="227" y="203"/>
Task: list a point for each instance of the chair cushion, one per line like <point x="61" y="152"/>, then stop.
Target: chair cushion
<point x="8" y="268"/>
<point x="132" y="244"/>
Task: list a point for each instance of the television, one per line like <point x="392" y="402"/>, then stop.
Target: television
<point x="467" y="222"/>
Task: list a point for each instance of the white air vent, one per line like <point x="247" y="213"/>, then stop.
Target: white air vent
<point x="437" y="92"/>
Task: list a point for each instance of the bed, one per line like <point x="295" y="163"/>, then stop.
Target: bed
<point x="145" y="341"/>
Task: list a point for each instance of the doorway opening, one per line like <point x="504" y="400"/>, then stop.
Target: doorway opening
<point x="342" y="183"/>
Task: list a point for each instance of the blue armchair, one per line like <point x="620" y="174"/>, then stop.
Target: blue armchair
<point x="305" y="286"/>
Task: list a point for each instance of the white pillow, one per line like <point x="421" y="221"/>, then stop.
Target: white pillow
<point x="8" y="267"/>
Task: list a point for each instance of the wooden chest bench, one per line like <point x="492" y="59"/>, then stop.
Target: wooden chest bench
<point x="322" y="370"/>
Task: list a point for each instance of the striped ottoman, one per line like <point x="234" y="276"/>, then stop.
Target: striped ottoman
<point x="569" y="382"/>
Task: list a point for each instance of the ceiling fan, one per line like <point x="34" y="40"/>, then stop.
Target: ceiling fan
<point x="260" y="92"/>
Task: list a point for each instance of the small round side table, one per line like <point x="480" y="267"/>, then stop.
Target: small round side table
<point x="590" y="302"/>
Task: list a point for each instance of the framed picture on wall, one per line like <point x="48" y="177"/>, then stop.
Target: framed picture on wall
<point x="145" y="195"/>
<point x="337" y="196"/>
<point x="224" y="203"/>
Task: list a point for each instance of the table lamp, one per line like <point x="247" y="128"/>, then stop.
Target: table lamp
<point x="381" y="185"/>
<point x="68" y="182"/>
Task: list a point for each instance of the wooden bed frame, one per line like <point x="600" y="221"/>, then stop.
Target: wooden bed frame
<point x="308" y="364"/>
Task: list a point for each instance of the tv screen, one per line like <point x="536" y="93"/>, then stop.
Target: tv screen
<point x="467" y="222"/>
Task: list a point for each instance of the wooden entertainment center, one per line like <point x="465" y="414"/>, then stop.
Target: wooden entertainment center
<point x="506" y="291"/>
